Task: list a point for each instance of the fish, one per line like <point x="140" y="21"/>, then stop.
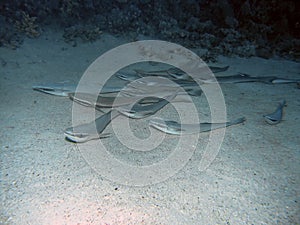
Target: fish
<point x="216" y="69"/>
<point x="58" y="89"/>
<point x="86" y="132"/>
<point x="65" y="88"/>
<point x="171" y="73"/>
<point x="152" y="85"/>
<point x="178" y="74"/>
<point x="276" y="116"/>
<point x="186" y="82"/>
<point x="99" y="101"/>
<point x="105" y="101"/>
<point x="285" y="81"/>
<point x="126" y="76"/>
<point x="175" y="128"/>
<point x="138" y="111"/>
<point x="244" y="78"/>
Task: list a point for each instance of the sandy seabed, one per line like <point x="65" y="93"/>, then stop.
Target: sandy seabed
<point x="254" y="179"/>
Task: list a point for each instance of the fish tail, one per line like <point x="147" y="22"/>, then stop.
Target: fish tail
<point x="237" y="121"/>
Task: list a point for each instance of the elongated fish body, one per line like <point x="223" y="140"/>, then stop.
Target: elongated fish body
<point x="85" y="132"/>
<point x="103" y="101"/>
<point x="65" y="88"/>
<point x="172" y="127"/>
<point x="129" y="76"/>
<point x="112" y="101"/>
<point x="244" y="78"/>
<point x="216" y="69"/>
<point x="285" y="81"/>
<point x="275" y="117"/>
<point x="58" y="89"/>
<point x="172" y="73"/>
<point x="138" y="111"/>
<point x="180" y="75"/>
<point x="187" y="82"/>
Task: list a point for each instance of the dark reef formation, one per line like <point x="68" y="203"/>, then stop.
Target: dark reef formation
<point x="228" y="27"/>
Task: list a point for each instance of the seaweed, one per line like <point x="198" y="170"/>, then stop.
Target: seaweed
<point x="230" y="27"/>
<point x="27" y="25"/>
<point x="85" y="33"/>
<point x="9" y="36"/>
